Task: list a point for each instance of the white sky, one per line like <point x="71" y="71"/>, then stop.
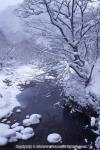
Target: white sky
<point x="5" y="3"/>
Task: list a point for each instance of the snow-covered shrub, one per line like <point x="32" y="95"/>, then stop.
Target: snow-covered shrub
<point x="75" y="91"/>
<point x="77" y="95"/>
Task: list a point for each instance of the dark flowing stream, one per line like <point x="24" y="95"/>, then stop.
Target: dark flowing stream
<point x="44" y="98"/>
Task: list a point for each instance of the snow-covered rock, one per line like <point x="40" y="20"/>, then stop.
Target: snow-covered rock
<point x="33" y="119"/>
<point x="3" y="141"/>
<point x="27" y="136"/>
<point x="27" y="130"/>
<point x="36" y="116"/>
<point x="49" y="77"/>
<point x="98" y="124"/>
<point x="86" y="140"/>
<point x="18" y="110"/>
<point x="14" y="133"/>
<point x="27" y="133"/>
<point x="15" y="125"/>
<point x="13" y="139"/>
<point x="26" y="122"/>
<point x="93" y="121"/>
<point x="97" y="143"/>
<point x="18" y="128"/>
<point x="8" y="122"/>
<point x="7" y="133"/>
<point x="4" y="126"/>
<point x="4" y="120"/>
<point x="54" y="138"/>
<point x="18" y="135"/>
<point x="27" y="116"/>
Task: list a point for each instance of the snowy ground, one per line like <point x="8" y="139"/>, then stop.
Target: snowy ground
<point x="10" y="78"/>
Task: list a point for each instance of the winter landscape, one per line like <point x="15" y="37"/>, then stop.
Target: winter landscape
<point x="50" y="74"/>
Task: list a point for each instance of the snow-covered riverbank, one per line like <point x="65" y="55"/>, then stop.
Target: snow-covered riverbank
<point x="94" y="91"/>
<point x="86" y="97"/>
<point x="10" y="78"/>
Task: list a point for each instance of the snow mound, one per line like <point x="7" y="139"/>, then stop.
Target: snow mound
<point x="27" y="130"/>
<point x="8" y="134"/>
<point x="54" y="138"/>
<point x="3" y="141"/>
<point x="5" y="131"/>
<point x="33" y="119"/>
<point x="27" y="136"/>
<point x="26" y="122"/>
<point x="97" y="142"/>
<point x="4" y="126"/>
<point x="18" y="128"/>
<point x="15" y="125"/>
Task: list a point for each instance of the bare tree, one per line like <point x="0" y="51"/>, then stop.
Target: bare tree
<point x="75" y="22"/>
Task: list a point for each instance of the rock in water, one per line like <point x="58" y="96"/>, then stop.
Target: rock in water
<point x="97" y="143"/>
<point x="3" y="141"/>
<point x="18" y="110"/>
<point x="54" y="138"/>
<point x="93" y="121"/>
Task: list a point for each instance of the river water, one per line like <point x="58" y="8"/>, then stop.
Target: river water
<point x="45" y="98"/>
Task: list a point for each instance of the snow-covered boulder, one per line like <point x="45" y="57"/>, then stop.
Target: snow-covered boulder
<point x="54" y="138"/>
<point x="35" y="118"/>
<point x="18" y="128"/>
<point x="13" y="139"/>
<point x="93" y="121"/>
<point x="97" y="143"/>
<point x="27" y="136"/>
<point x="4" y="126"/>
<point x="27" y="133"/>
<point x="15" y="125"/>
<point x="18" y="110"/>
<point x="27" y="130"/>
<point x="4" y="120"/>
<point x="3" y="141"/>
<point x="26" y="122"/>
<point x="27" y="116"/>
<point x="18" y="135"/>
<point x="7" y="133"/>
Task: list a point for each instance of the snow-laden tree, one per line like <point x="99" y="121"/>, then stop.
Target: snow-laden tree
<point x="78" y="22"/>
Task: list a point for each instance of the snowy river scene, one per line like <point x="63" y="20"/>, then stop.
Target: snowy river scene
<point x="50" y="74"/>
